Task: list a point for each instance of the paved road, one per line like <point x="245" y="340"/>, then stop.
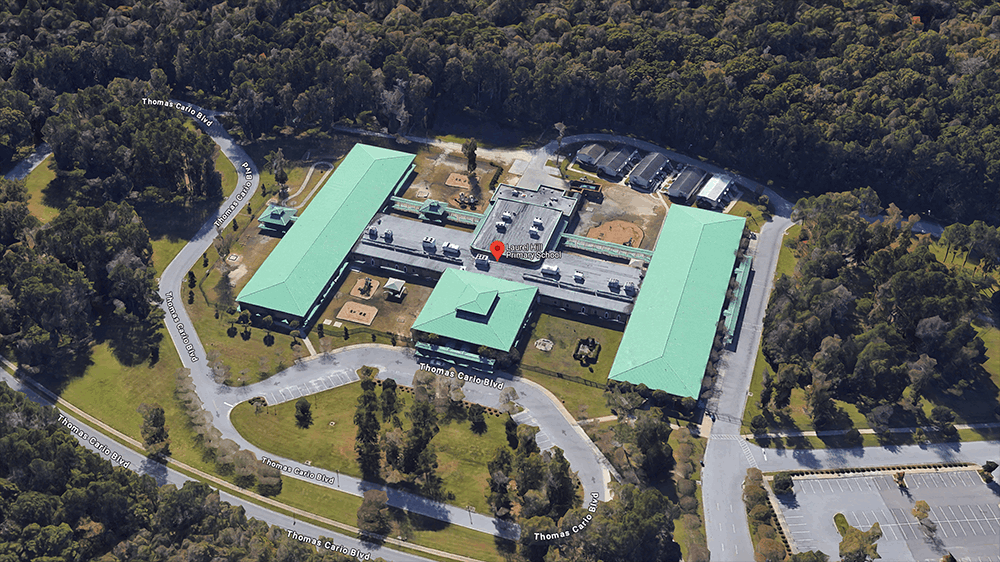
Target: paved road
<point x="110" y="449"/>
<point x="26" y="166"/>
<point x="325" y="372"/>
<point x="725" y="463"/>
<point x="219" y="399"/>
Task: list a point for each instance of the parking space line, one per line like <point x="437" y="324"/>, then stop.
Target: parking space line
<point x="989" y="521"/>
<point x="977" y="520"/>
<point x="960" y="526"/>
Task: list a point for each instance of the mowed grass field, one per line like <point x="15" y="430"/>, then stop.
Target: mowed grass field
<point x="462" y="454"/>
<point x="35" y="183"/>
<point x="565" y="332"/>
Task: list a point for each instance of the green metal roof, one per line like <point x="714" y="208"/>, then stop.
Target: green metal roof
<point x="669" y="335"/>
<point x="476" y="308"/>
<point x="297" y="271"/>
<point x="276" y="215"/>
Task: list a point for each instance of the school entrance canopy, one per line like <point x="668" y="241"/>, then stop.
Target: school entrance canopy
<point x="293" y="280"/>
<point x="669" y="336"/>
<point x="475" y="308"/>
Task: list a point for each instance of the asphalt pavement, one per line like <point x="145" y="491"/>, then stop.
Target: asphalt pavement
<point x="119" y="455"/>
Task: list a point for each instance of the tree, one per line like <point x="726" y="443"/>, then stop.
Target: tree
<point x="900" y="479"/>
<point x="859" y="546"/>
<point x="770" y="550"/>
<point x="758" y="424"/>
<point x="373" y="514"/>
<point x="389" y="400"/>
<point x="476" y="419"/>
<point x="469" y="150"/>
<point x="783" y="483"/>
<point x="366" y="419"/>
<point x="154" y="431"/>
<point x="303" y="413"/>
<point x="990" y="466"/>
<point x="510" y="427"/>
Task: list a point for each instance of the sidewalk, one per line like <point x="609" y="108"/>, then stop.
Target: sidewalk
<point x="866" y="431"/>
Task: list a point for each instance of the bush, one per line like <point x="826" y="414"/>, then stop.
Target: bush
<point x="990" y="466"/>
<point x="766" y="531"/>
<point x="783" y="483"/>
<point x="685" y="487"/>
<point x="761" y="513"/>
<point x="754" y="495"/>
<point x="770" y="550"/>
<point x="697" y="553"/>
<point x="754" y="475"/>
<point x="689" y="504"/>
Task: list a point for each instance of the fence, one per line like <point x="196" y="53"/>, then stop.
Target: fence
<point x="571" y="378"/>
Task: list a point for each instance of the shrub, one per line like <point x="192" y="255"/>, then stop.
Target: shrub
<point x="761" y="513"/>
<point x="783" y="483"/>
<point x="689" y="504"/>
<point x="685" y="487"/>
<point x="766" y="532"/>
<point x="771" y="550"/>
<point x="754" y="495"/>
<point x="990" y="466"/>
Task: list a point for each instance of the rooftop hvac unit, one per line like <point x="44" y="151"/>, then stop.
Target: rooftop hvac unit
<point x="482" y="258"/>
<point x="537" y="221"/>
<point x="387" y="235"/>
<point x="507" y="216"/>
<point x="614" y="283"/>
<point x="578" y="275"/>
<point x="630" y="287"/>
<point x="501" y="226"/>
<point x="372" y="233"/>
<point x="534" y="233"/>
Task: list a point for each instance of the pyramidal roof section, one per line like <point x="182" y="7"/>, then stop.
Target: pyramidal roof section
<point x="670" y="333"/>
<point x="493" y="310"/>
<point x="300" y="267"/>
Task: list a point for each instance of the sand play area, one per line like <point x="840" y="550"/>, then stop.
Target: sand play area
<point x="358" y="313"/>
<point x="359" y="287"/>
<point x="619" y="232"/>
<point x="460" y="181"/>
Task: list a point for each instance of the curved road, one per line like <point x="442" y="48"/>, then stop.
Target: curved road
<point x="727" y="456"/>
<point x="110" y="449"/>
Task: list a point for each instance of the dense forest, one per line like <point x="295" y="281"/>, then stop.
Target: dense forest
<point x="59" y="501"/>
<point x="871" y="316"/>
<point x="822" y="95"/>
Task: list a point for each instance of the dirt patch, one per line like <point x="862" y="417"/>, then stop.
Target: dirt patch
<point x="358" y="313"/>
<point x="365" y="288"/>
<point x="461" y="181"/>
<point x="237" y="273"/>
<point x="543" y="344"/>
<point x="618" y="232"/>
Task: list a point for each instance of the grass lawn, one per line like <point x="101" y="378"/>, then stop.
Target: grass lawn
<point x="786" y="256"/>
<point x="416" y="529"/>
<point x="565" y="331"/>
<point x="755" y="221"/>
<point x="249" y="360"/>
<point x="225" y="167"/>
<point x="113" y="392"/>
<point x="461" y="453"/>
<point x="35" y="183"/>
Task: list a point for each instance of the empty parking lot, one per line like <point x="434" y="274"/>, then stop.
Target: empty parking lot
<point x="965" y="511"/>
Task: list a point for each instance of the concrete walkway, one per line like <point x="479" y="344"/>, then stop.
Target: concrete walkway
<point x="865" y="431"/>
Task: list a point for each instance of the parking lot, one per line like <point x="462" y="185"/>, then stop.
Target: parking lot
<point x="966" y="512"/>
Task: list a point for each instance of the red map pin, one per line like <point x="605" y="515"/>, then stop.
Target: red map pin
<point x="496" y="248"/>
